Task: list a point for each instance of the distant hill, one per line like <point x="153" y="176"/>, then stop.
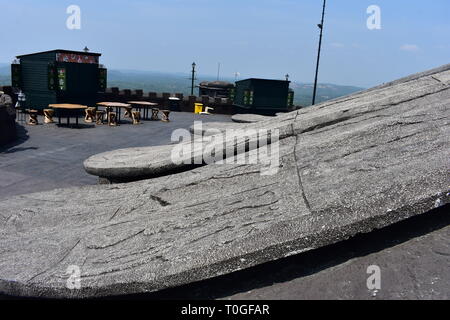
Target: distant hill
<point x="5" y="74"/>
<point x="325" y="91"/>
<point x="179" y="83"/>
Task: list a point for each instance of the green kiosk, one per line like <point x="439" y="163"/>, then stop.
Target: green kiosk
<point x="59" y="76"/>
<point x="262" y="96"/>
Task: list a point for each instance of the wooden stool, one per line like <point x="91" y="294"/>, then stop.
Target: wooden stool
<point x="128" y="112"/>
<point x="99" y="116"/>
<point x="48" y="114"/>
<point x="136" y="117"/>
<point x="33" y="120"/>
<point x="165" y="115"/>
<point x="90" y="115"/>
<point x="112" y="119"/>
<point x="155" y="113"/>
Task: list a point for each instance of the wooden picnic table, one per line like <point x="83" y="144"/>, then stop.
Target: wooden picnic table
<point x="70" y="110"/>
<point x="144" y="105"/>
<point x="111" y="105"/>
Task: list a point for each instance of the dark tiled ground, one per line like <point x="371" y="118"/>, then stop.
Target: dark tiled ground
<point x="48" y="156"/>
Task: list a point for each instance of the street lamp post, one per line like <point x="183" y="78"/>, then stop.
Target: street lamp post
<point x="318" y="54"/>
<point x="193" y="78"/>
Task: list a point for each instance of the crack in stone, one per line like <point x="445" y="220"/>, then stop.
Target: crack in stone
<point x="415" y="98"/>
<point x="117" y="242"/>
<point x="55" y="264"/>
<point x="211" y="234"/>
<point x="115" y="213"/>
<point x="351" y="123"/>
<point x="161" y="201"/>
<point x="371" y="147"/>
<point x="250" y="207"/>
<point x="325" y="124"/>
<point x="234" y="176"/>
<point x="125" y="256"/>
<point x="300" y="182"/>
<point x="438" y="80"/>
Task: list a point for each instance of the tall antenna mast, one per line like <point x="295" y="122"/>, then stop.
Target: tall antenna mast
<point x="318" y="54"/>
<point x="218" y="71"/>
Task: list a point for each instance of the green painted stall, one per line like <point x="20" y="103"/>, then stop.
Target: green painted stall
<point x="263" y="96"/>
<point x="59" y="76"/>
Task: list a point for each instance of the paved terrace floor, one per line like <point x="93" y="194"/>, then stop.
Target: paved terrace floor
<point x="47" y="156"/>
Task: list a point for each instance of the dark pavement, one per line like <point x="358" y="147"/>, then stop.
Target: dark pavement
<point x="48" y="157"/>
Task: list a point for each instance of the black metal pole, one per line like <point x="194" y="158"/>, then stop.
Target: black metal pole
<point x="193" y="79"/>
<point x="318" y="54"/>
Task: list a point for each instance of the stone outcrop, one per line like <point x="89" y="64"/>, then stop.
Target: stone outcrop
<point x="249" y="118"/>
<point x="347" y="166"/>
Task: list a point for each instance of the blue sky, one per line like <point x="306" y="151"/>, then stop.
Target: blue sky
<point x="257" y="38"/>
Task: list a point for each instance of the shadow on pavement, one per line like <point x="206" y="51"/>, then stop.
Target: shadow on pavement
<point x="76" y="126"/>
<point x="22" y="136"/>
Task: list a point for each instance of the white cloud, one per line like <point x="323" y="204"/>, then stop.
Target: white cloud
<point x="410" y="47"/>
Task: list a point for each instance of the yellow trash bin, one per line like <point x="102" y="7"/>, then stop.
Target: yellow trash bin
<point x="198" y="107"/>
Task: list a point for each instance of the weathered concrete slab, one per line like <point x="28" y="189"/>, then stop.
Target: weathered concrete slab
<point x="132" y="163"/>
<point x="347" y="167"/>
<point x="249" y="118"/>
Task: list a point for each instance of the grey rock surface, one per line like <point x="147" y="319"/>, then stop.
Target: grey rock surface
<point x="150" y="162"/>
<point x="348" y="166"/>
<point x="249" y="118"/>
<point x="212" y="128"/>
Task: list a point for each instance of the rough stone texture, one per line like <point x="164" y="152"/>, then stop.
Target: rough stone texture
<point x="209" y="129"/>
<point x="150" y="162"/>
<point x="347" y="166"/>
<point x="249" y="118"/>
